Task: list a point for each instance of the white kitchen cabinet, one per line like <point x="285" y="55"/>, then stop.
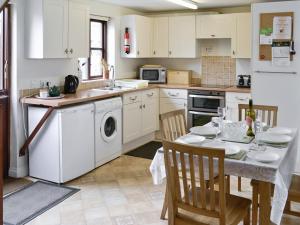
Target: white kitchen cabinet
<point x="56" y="29"/>
<point x="182" y="37"/>
<point x="233" y="99"/>
<point x="140" y="32"/>
<point x="241" y="38"/>
<point x="214" y="26"/>
<point x="132" y="121"/>
<point x="160" y="42"/>
<point x="172" y="99"/>
<point x="140" y="114"/>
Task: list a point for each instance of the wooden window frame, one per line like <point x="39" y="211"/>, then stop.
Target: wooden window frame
<point x="103" y="49"/>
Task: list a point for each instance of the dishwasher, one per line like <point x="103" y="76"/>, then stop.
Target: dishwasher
<point x="64" y="148"/>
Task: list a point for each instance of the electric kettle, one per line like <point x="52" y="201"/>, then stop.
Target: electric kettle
<point x="71" y="84"/>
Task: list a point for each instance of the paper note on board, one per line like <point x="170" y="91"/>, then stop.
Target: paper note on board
<point x="281" y="56"/>
<point x="265" y="39"/>
<point x="282" y="27"/>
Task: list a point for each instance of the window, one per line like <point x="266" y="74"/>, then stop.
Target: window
<point x="4" y="50"/>
<point x="98" y="48"/>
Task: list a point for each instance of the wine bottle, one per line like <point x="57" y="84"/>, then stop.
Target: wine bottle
<point x="250" y="117"/>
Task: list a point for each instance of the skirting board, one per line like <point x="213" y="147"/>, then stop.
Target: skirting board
<point x="138" y="142"/>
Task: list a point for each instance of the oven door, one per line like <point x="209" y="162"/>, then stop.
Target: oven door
<point x="199" y="118"/>
<point x="205" y="103"/>
<point x="153" y="75"/>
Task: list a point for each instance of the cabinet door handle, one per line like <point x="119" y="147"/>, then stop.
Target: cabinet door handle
<point x="67" y="51"/>
<point x="133" y="99"/>
<point x="212" y="35"/>
<point x="138" y="52"/>
<point x="71" y="51"/>
<point x="141" y="106"/>
<point x="154" y="52"/>
<point x="170" y="52"/>
<point x="144" y="106"/>
<point x="233" y="52"/>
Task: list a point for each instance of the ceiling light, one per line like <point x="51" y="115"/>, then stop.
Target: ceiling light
<point x="185" y="3"/>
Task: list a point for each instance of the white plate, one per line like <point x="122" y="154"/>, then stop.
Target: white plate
<point x="264" y="157"/>
<point x="205" y="130"/>
<point x="230" y="149"/>
<point x="274" y="138"/>
<point x="50" y="98"/>
<point x="280" y="130"/>
<point x="190" y="139"/>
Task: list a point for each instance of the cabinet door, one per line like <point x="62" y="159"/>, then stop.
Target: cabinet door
<point x="144" y="28"/>
<point x="55" y="28"/>
<point x="232" y="113"/>
<point x="182" y="37"/>
<point x="132" y="121"/>
<point x="172" y="104"/>
<point x="241" y="40"/>
<point x="78" y="30"/>
<point x="150" y="115"/>
<point x="160" y="43"/>
<point x="214" y="26"/>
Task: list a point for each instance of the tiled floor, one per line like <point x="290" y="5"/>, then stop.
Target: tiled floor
<point x="119" y="193"/>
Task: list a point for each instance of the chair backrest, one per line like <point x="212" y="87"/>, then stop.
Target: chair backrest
<point x="181" y="160"/>
<point x="269" y="113"/>
<point x="173" y="125"/>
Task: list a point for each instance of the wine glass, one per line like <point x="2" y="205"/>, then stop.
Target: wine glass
<point x="222" y="114"/>
<point x="258" y="129"/>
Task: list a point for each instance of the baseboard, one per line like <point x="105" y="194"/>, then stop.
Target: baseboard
<point x="138" y="142"/>
<point x="18" y="172"/>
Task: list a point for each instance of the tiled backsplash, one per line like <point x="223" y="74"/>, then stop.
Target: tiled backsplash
<point x="218" y="70"/>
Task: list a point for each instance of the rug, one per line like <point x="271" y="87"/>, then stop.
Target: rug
<point x="146" y="151"/>
<point x="32" y="200"/>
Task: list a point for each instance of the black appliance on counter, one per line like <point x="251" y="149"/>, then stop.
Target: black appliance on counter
<point x="244" y="81"/>
<point x="203" y="105"/>
<point x="71" y="84"/>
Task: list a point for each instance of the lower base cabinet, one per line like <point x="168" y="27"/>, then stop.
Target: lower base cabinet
<point x="233" y="99"/>
<point x="140" y="114"/>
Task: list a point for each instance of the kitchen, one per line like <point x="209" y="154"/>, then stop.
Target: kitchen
<point x="196" y="58"/>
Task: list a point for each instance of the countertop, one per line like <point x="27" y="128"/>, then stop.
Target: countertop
<point x="92" y="95"/>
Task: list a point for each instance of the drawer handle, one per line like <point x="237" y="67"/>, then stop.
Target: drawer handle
<point x="173" y="95"/>
<point x="133" y="99"/>
<point x="241" y="99"/>
<point x="150" y="95"/>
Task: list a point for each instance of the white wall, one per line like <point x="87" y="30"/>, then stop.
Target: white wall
<point x="25" y="70"/>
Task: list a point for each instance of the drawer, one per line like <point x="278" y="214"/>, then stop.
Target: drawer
<point x="239" y="98"/>
<point x="133" y="97"/>
<point x="173" y="93"/>
<point x="150" y="94"/>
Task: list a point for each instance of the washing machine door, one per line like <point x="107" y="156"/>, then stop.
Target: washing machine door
<point x="108" y="127"/>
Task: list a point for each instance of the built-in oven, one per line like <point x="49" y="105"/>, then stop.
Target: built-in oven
<point x="203" y="105"/>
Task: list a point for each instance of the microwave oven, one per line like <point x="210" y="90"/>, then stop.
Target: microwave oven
<point x="154" y="74"/>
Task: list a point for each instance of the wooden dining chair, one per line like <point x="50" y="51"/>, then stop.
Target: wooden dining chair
<point x="294" y="196"/>
<point x="173" y="126"/>
<point x="189" y="201"/>
<point x="269" y="116"/>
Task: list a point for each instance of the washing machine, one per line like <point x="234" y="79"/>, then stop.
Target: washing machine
<point x="108" y="130"/>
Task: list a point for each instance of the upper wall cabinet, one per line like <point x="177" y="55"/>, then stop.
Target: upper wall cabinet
<point x="214" y="26"/>
<point x="182" y="37"/>
<point x="56" y="29"/>
<point x="140" y="30"/>
<point x="160" y="42"/>
<point x="241" y="38"/>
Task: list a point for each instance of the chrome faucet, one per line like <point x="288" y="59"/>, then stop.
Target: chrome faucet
<point x="113" y="79"/>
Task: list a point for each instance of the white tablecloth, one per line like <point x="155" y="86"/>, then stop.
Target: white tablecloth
<point x="278" y="173"/>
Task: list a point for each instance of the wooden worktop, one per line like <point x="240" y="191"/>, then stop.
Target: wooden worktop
<point x="82" y="96"/>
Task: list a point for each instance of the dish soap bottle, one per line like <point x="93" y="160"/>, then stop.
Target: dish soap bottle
<point x="250" y="117"/>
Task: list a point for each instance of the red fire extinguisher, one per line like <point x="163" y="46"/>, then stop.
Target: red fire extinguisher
<point x="126" y="41"/>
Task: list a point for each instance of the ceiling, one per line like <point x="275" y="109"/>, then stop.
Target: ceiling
<point x="164" y="5"/>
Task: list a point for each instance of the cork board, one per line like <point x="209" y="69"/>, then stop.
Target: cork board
<point x="266" y="21"/>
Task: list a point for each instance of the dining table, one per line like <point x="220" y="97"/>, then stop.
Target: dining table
<point x="279" y="172"/>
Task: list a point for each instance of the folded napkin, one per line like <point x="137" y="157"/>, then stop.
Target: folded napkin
<point x="239" y="156"/>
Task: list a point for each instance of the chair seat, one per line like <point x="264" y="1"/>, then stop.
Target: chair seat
<point x="294" y="191"/>
<point x="236" y="207"/>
